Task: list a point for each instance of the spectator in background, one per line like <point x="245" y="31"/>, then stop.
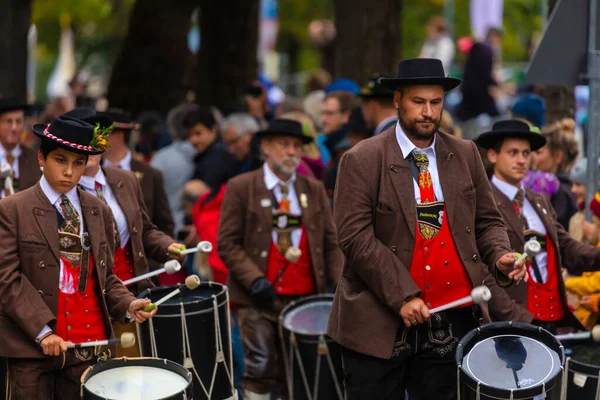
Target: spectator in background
<point x="214" y="164"/>
<point x="579" y="228"/>
<point x="479" y="83"/>
<point x="237" y="132"/>
<point x="153" y="136"/>
<point x="255" y="101"/>
<point x="530" y="108"/>
<point x="337" y="107"/>
<point x="289" y="104"/>
<point x="190" y="194"/>
<point x="378" y="108"/>
<point x="557" y="157"/>
<point x="176" y="162"/>
<point x="318" y="81"/>
<point x="438" y="44"/>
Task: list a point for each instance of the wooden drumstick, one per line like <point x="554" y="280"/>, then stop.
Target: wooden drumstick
<point x="191" y="283"/>
<point x="126" y="340"/>
<point x="170" y="267"/>
<point x="204" y="247"/>
<point x="531" y="249"/>
<point x="479" y="295"/>
<point x="594" y="334"/>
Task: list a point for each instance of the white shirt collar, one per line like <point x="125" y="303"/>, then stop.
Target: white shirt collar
<point x="16" y="152"/>
<point x="89" y="182"/>
<point x="407" y="146"/>
<point x="271" y="180"/>
<point x="124" y="163"/>
<point x="507" y="189"/>
<point x="54" y="196"/>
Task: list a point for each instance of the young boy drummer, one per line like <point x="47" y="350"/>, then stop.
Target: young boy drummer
<point x="56" y="279"/>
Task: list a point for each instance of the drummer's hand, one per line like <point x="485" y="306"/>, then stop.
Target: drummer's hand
<point x="174" y="251"/>
<point x="136" y="310"/>
<point x="414" y="312"/>
<point x="585" y="303"/>
<point x="54" y="345"/>
<point x="506" y="265"/>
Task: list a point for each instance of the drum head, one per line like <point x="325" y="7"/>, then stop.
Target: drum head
<point x="511" y="362"/>
<point x="308" y="316"/>
<point x="136" y="379"/>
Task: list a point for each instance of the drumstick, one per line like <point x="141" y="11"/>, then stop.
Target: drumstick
<point x="479" y="295"/>
<point x="531" y="249"/>
<point x="170" y="267"/>
<point x="126" y="340"/>
<point x="204" y="247"/>
<point x="191" y="283"/>
<point x="594" y="334"/>
<point x="292" y="255"/>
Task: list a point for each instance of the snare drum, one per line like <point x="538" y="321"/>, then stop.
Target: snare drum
<point x="136" y="379"/>
<point x="193" y="329"/>
<point x="509" y="360"/>
<point x="581" y="374"/>
<point x="313" y="362"/>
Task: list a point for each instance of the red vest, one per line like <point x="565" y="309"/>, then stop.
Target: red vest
<point x="543" y="299"/>
<point x="437" y="268"/>
<point x="80" y="318"/>
<point x="298" y="277"/>
<point x="123" y="264"/>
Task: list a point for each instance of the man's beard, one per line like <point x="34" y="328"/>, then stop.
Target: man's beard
<point x="287" y="169"/>
<point x="416" y="131"/>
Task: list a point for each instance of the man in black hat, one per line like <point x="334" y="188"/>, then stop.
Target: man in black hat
<point x="277" y="238"/>
<point x="418" y="225"/>
<point x="529" y="215"/>
<point x="56" y="277"/>
<point x="20" y="162"/>
<point x="118" y="155"/>
<point x="378" y="105"/>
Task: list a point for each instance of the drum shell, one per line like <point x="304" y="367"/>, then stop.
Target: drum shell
<point x="590" y="387"/>
<point x="200" y="321"/>
<point x="185" y="394"/>
<point x="468" y="385"/>
<point x="307" y="346"/>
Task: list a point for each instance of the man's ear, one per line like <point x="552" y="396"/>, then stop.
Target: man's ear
<point x="492" y="156"/>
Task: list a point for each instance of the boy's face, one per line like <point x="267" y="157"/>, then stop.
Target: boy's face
<point x="62" y="169"/>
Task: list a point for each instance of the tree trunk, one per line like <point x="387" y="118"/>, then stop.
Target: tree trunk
<point x="153" y="65"/>
<point x="560" y="100"/>
<point x="15" y="19"/>
<point x="368" y="38"/>
<point x="227" y="60"/>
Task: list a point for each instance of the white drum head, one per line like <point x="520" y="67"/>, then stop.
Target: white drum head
<point x="136" y="383"/>
<point x="308" y="319"/>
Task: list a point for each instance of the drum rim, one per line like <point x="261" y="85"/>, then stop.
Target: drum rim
<point x="589" y="370"/>
<point x="548" y="384"/>
<point x="136" y="362"/>
<point x="297" y="303"/>
<point x="167" y="309"/>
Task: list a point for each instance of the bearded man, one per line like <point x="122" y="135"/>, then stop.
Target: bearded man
<point x="418" y="225"/>
<point x="268" y="216"/>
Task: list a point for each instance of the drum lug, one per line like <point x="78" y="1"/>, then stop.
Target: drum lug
<point x="322" y="349"/>
<point x="188" y="363"/>
<point x="220" y="357"/>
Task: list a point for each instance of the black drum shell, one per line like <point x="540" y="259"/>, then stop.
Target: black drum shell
<point x="141" y="362"/>
<point x="588" y="391"/>
<point x="307" y="347"/>
<point x="468" y="385"/>
<point x="199" y="312"/>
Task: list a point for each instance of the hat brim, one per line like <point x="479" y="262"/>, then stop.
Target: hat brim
<point x="39" y="131"/>
<point x="376" y="95"/>
<point x="396" y="83"/>
<point x="267" y="134"/>
<point x="488" y="140"/>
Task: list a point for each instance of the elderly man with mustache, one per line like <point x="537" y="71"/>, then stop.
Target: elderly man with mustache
<point x="268" y="214"/>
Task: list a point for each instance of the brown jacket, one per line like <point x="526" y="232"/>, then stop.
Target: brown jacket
<point x="29" y="168"/>
<point x="575" y="256"/>
<point x="155" y="197"/>
<point x="375" y="215"/>
<point x="244" y="235"/>
<point x="30" y="268"/>
<point x="147" y="241"/>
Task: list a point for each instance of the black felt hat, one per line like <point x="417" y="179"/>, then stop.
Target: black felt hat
<point x="420" y="71"/>
<point x="285" y="127"/>
<point x="90" y="116"/>
<point x="121" y="119"/>
<point x="511" y="128"/>
<point x="12" y="104"/>
<point x="71" y="134"/>
<point x="375" y="90"/>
